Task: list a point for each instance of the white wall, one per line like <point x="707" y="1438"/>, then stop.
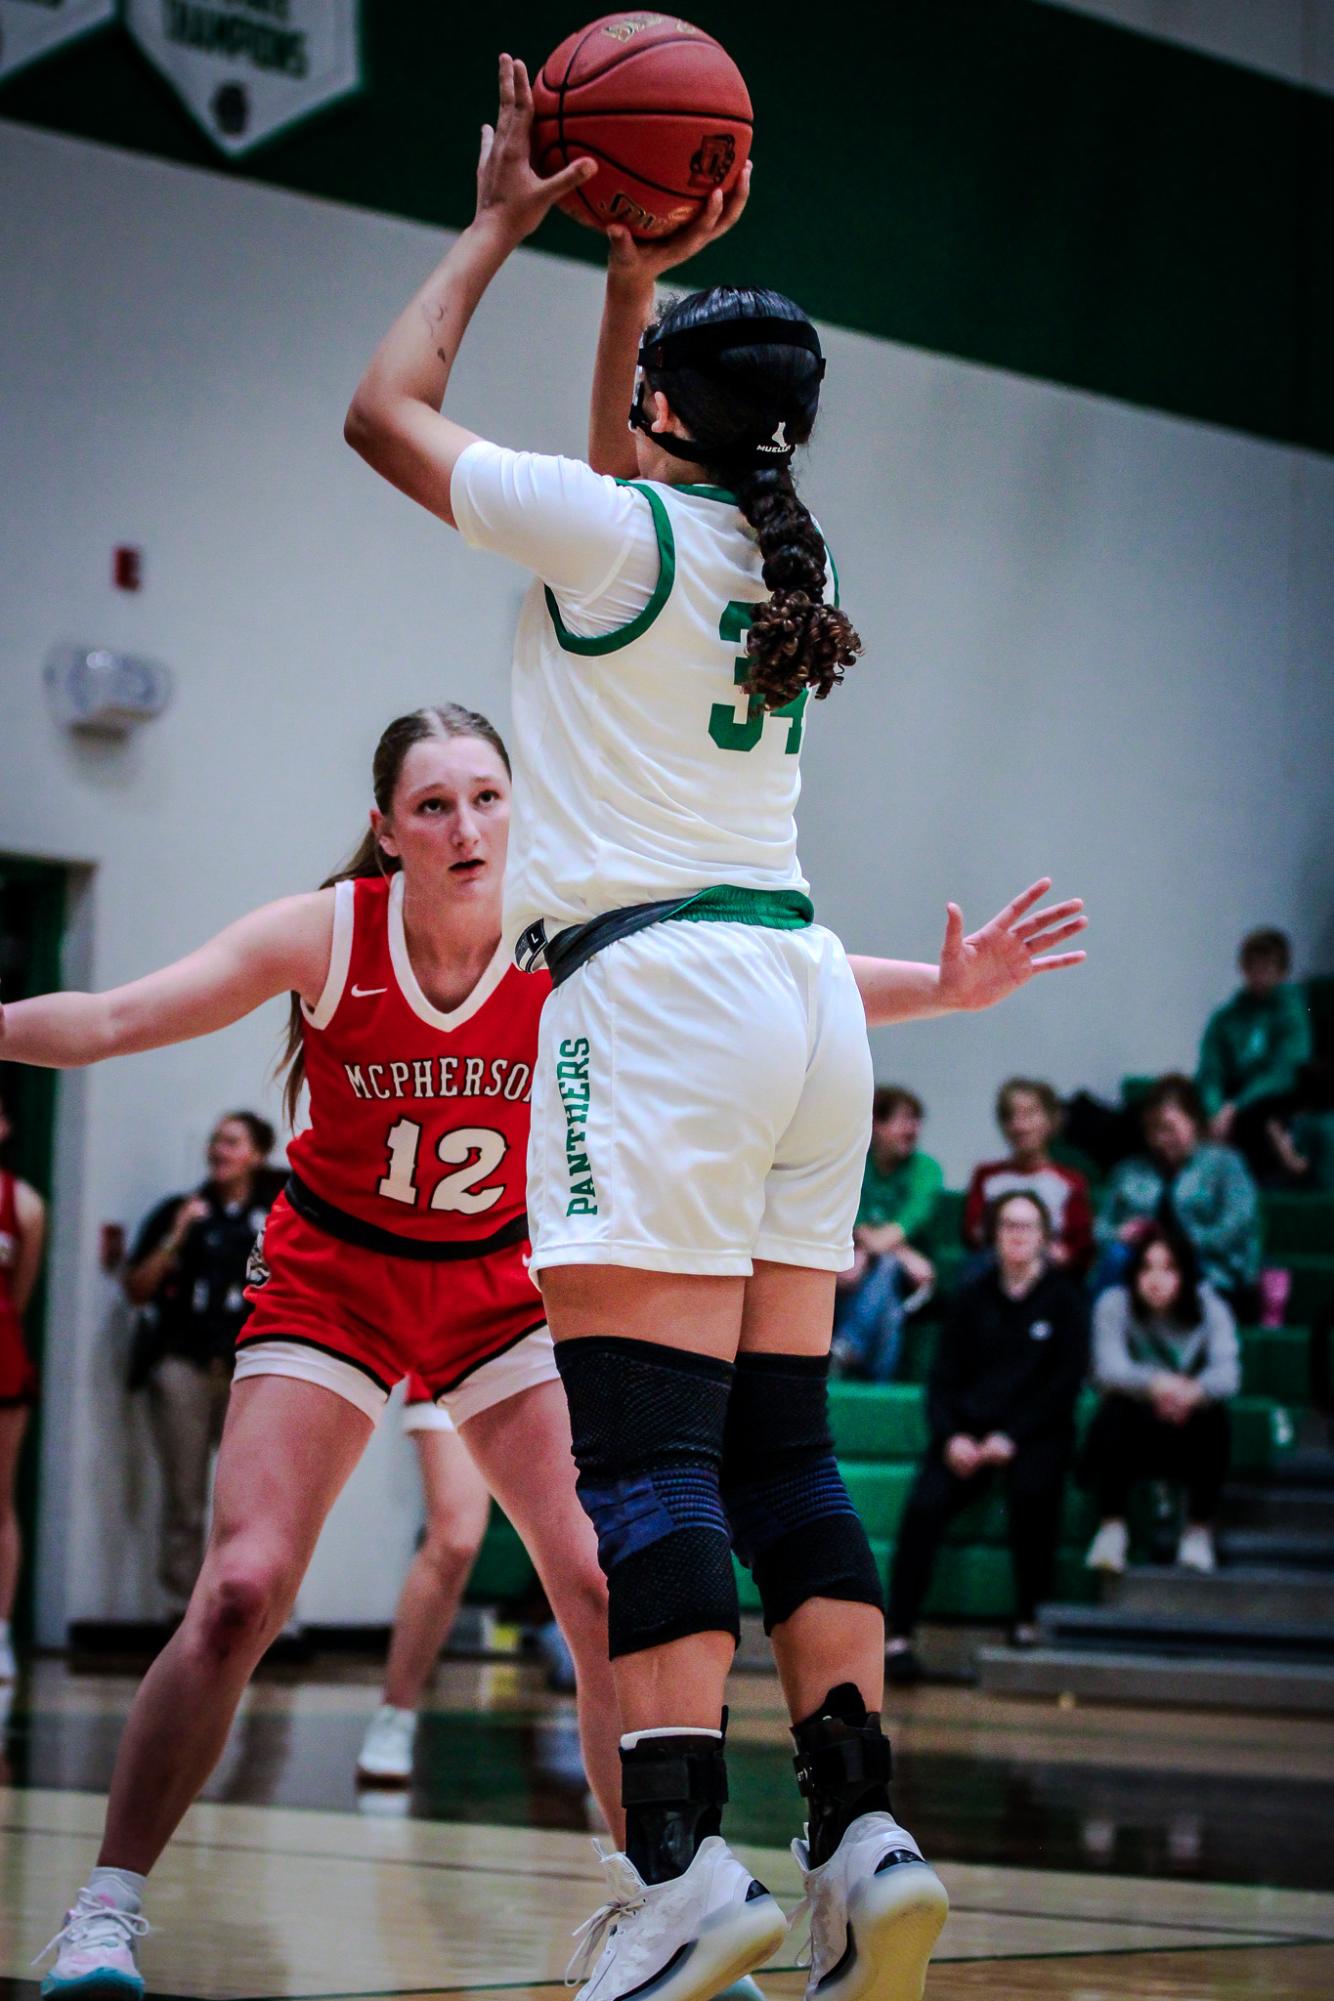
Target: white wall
<point x="1098" y="643"/>
<point x="1293" y="39"/>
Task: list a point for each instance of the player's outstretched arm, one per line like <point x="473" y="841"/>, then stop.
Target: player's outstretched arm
<point x="283" y="948"/>
<point x="633" y="270"/>
<point x="977" y="970"/>
<point x="396" y="420"/>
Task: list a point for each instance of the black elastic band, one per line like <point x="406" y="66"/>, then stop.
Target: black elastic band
<point x="679" y="1774"/>
<point x="577" y="943"/>
<point x="686" y="347"/>
<point x="313" y="1209"/>
<point x="847" y="1766"/>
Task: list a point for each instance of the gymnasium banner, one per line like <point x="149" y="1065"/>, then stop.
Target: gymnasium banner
<point x="246" y="69"/>
<point x="32" y="28"/>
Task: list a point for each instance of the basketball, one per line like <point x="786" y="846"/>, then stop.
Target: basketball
<point x="658" y="104"/>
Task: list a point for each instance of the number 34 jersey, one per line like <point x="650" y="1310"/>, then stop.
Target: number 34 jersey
<point x="643" y="770"/>
<point x="419" y="1118"/>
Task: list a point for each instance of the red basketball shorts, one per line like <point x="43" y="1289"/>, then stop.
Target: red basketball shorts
<point x="358" y="1321"/>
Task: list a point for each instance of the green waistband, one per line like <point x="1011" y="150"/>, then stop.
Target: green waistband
<point x="775" y="909"/>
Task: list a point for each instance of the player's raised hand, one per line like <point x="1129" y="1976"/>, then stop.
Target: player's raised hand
<point x="986" y="966"/>
<point x="510" y="191"/>
<point x="631" y="262"/>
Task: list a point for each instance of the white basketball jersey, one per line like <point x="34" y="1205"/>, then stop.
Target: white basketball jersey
<point x="642" y="770"/>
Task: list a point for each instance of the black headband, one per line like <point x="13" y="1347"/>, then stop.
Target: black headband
<point x="691" y="347"/>
<point x="686" y="347"/>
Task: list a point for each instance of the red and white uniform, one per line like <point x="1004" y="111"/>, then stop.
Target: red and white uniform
<point x="400" y="1245"/>
<point x="1063" y="1190"/>
<point x="18" y="1372"/>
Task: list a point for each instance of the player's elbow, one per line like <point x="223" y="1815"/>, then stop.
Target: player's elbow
<point x="363" y="428"/>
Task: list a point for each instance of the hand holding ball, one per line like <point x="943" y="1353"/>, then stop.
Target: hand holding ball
<point x="659" y="106"/>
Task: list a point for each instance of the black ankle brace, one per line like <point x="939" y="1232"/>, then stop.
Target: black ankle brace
<point x="673" y="1790"/>
<point x="843" y="1766"/>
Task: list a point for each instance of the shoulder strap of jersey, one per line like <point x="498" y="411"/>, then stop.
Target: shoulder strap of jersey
<point x="340" y="957"/>
<point x="612" y="642"/>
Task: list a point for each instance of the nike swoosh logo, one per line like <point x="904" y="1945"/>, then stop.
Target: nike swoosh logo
<point x="365" y="993"/>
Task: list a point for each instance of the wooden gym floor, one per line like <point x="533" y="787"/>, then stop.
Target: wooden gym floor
<point x="1089" y="1853"/>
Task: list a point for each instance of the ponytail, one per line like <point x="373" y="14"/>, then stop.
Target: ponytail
<point x="369" y="859"/>
<point x="796" y="640"/>
<point x="742" y="370"/>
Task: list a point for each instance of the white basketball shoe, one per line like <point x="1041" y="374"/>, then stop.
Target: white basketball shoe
<point x="876" y="1911"/>
<point x="95" y="1952"/>
<point x="687" y="1938"/>
<point x="385" y="1757"/>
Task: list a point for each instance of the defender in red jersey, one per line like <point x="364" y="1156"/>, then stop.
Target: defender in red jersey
<point x="408" y="1184"/>
<point x="400" y="1246"/>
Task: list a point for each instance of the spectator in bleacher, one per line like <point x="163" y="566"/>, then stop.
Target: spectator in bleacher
<point x="1028" y="1112"/>
<point x="1252" y="1050"/>
<point x="1187" y="1183"/>
<point x="1008" y="1369"/>
<point x="1167" y="1360"/>
<point x="185" y="1273"/>
<point x="891" y="1270"/>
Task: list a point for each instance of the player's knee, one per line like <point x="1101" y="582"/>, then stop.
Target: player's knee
<point x="449" y="1548"/>
<point x="246" y="1598"/>
<point x="792" y="1521"/>
<point x="647" y="1430"/>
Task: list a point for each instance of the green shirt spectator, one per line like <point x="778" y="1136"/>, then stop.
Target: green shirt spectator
<point x="905" y="1193"/>
<point x="1253" y="1047"/>
<point x="890" y="1273"/>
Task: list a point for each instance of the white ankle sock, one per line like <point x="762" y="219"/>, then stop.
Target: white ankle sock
<point x="125" y="1887"/>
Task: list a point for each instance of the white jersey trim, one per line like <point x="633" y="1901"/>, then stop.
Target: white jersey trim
<point x="340" y="957"/>
<point x="407" y="979"/>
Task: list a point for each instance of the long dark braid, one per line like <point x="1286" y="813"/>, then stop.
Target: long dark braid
<point x="735" y="406"/>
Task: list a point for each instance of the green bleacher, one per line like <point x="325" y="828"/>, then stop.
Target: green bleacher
<point x="880" y="1434"/>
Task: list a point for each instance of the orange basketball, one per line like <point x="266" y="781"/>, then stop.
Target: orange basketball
<point x="658" y="104"/>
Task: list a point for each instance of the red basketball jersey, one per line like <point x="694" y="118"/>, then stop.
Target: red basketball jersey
<point x="9" y="1239"/>
<point x="419" y="1119"/>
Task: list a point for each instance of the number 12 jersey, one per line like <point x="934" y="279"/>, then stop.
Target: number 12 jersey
<point x="419" y="1117"/>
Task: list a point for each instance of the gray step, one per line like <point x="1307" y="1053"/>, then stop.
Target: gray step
<point x="1272" y="1549"/>
<point x="1186" y="1633"/>
<point x="1242" y="1596"/>
<point x="1285" y="1508"/>
<point x="1165" y="1681"/>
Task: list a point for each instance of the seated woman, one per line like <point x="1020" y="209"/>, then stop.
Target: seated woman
<point x="1189" y="1185"/>
<point x="1167" y="1359"/>
<point x="891" y="1273"/>
<point x="1028" y="1112"/>
<point x="1007" y="1373"/>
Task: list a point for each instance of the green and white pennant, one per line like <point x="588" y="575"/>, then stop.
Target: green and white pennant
<point x="248" y="69"/>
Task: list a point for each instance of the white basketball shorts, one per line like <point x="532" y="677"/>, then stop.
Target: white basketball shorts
<point x="702" y="1099"/>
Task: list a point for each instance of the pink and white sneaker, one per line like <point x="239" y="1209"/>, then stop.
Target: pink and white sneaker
<point x="95" y="1950"/>
<point x="876" y="1911"/>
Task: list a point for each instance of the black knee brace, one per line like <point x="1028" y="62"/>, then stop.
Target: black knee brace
<point x="793" y="1523"/>
<point x="647" y="1424"/>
